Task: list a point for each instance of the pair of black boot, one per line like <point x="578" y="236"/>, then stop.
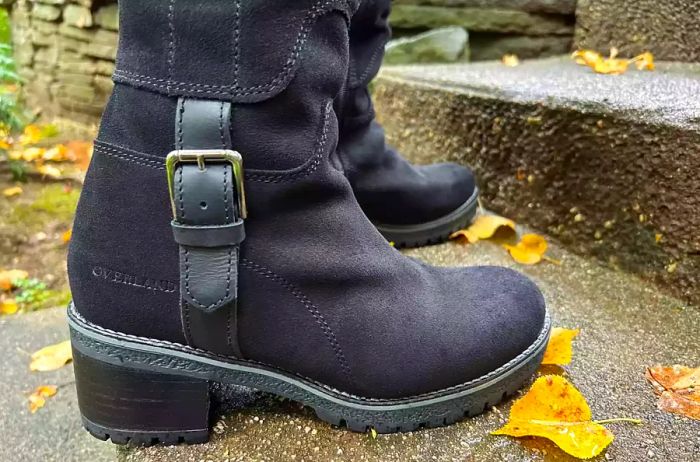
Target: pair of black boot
<point x="226" y="233"/>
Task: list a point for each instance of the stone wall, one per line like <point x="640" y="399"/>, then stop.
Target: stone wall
<point x="65" y="48"/>
<point x="65" y="51"/>
<point x="528" y="28"/>
<point x="668" y="28"/>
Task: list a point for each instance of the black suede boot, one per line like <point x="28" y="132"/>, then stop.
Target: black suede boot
<point x="410" y="205"/>
<point x="309" y="302"/>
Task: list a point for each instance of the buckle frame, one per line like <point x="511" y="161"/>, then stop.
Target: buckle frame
<point x="201" y="157"/>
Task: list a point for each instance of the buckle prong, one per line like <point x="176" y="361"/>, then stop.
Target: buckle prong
<point x="201" y="157"/>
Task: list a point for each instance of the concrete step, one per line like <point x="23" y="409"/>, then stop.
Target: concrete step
<point x="606" y="164"/>
<point x="668" y="28"/>
<point x="626" y="326"/>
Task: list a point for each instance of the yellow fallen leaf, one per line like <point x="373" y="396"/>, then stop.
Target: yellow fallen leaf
<point x="49" y="170"/>
<point x="529" y="251"/>
<point x="80" y="153"/>
<point x="373" y="433"/>
<point x="599" y="64"/>
<point x="7" y="278"/>
<point x="586" y="57"/>
<point x="645" y="61"/>
<point x="485" y="227"/>
<point x="37" y="399"/>
<point x="58" y="153"/>
<point x="8" y="306"/>
<point x="51" y="357"/>
<point x="559" y="351"/>
<point x="556" y="410"/>
<point x="510" y="60"/>
<point x="611" y="66"/>
<point x="678" y="388"/>
<point x="10" y="192"/>
<point x="5" y="144"/>
<point x="32" y="154"/>
<point x="66" y="236"/>
<point x="32" y="134"/>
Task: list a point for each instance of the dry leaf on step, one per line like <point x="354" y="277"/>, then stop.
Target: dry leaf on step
<point x="556" y="410"/>
<point x="10" y="192"/>
<point x="485" y="227"/>
<point x="510" y="60"/>
<point x="51" y="357"/>
<point x="37" y="399"/>
<point x="530" y="250"/>
<point x="678" y="388"/>
<point x="7" y="278"/>
<point x="559" y="349"/>
<point x="8" y="306"/>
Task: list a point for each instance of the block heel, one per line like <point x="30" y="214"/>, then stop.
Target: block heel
<point x="138" y="407"/>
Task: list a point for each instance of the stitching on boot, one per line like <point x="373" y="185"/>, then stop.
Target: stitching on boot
<point x="264" y="176"/>
<point x="171" y="42"/>
<point x="311" y="308"/>
<point x="236" y="40"/>
<point x="357" y="82"/>
<point x="320" y="8"/>
<point x="305" y="169"/>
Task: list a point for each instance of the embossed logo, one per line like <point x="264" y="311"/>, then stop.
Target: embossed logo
<point x="143" y="282"/>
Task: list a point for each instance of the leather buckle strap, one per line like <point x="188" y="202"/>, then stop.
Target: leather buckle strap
<point x="202" y="157"/>
<point x="205" y="182"/>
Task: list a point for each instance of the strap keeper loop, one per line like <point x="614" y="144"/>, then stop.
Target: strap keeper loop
<point x="209" y="236"/>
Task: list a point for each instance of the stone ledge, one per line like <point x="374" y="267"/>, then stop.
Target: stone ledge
<point x="607" y="164"/>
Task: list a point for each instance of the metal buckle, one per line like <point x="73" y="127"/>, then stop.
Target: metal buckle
<point x="201" y="157"/>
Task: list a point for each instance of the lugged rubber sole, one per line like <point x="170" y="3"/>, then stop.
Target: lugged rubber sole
<point x="145" y="391"/>
<point x="432" y="232"/>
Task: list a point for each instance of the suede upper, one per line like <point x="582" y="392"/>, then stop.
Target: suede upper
<point x="390" y="190"/>
<point x="321" y="293"/>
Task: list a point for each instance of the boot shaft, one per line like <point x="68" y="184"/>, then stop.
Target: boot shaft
<point x="281" y="64"/>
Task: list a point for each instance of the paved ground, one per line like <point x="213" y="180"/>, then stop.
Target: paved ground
<point x="54" y="433"/>
<point x="626" y="325"/>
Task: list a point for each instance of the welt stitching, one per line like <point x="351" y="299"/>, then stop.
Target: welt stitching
<point x="128" y="157"/>
<point x="171" y="42"/>
<point x="189" y="349"/>
<point x="311" y="308"/>
<point x="312" y="15"/>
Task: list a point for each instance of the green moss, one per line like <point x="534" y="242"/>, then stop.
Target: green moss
<point x="53" y="203"/>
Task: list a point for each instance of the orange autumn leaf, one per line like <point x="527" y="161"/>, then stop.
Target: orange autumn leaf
<point x="8" y="278"/>
<point x="8" y="306"/>
<point x="66" y="236"/>
<point x="529" y="251"/>
<point x="510" y="60"/>
<point x="554" y="409"/>
<point x="11" y="192"/>
<point x="37" y="399"/>
<point x="678" y="388"/>
<point x="485" y="227"/>
<point x="559" y="349"/>
<point x="51" y="357"/>
<point x="645" y="61"/>
<point x="80" y="153"/>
